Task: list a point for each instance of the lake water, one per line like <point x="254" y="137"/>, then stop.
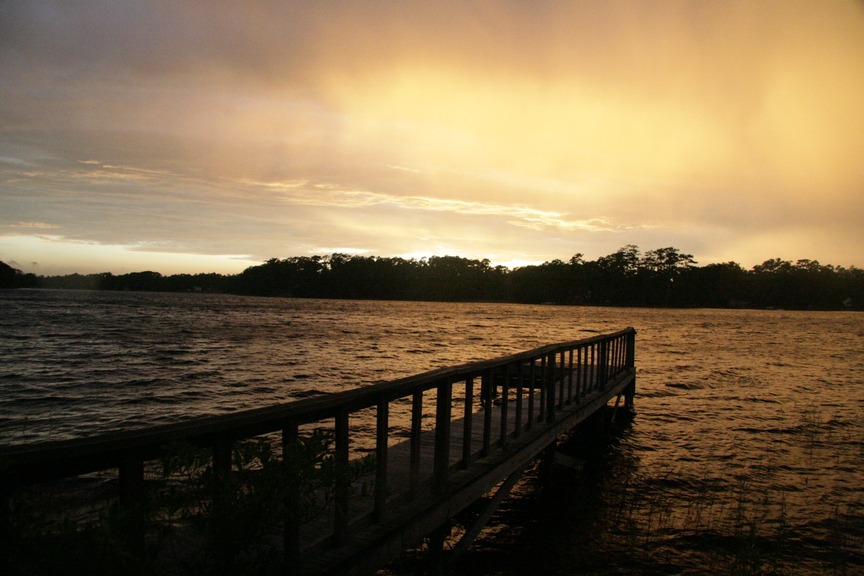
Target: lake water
<point x="745" y="456"/>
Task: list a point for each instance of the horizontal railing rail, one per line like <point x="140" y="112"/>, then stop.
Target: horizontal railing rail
<point x="420" y="413"/>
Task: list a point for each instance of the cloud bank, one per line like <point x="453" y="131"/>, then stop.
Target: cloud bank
<point x="514" y="131"/>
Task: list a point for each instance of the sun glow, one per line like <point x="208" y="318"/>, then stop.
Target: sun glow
<point x="89" y="258"/>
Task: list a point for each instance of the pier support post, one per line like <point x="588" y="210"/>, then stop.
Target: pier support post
<point x="489" y="509"/>
<point x="629" y="395"/>
<point x="599" y="425"/>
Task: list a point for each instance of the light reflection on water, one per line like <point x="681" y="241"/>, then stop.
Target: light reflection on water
<point x="747" y="448"/>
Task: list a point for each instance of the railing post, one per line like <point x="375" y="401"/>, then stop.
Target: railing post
<point x="544" y="388"/>
<point x="342" y="487"/>
<point x="631" y="349"/>
<point x="603" y="364"/>
<point x="622" y="353"/>
<point x="221" y="473"/>
<point x="561" y="381"/>
<point x="485" y="390"/>
<point x="291" y="530"/>
<point x="580" y="374"/>
<point x="416" y="433"/>
<point x="468" y="428"/>
<point x="381" y="452"/>
<point x="631" y="365"/>
<point x="441" y="473"/>
<point x="504" y="440"/>
<point x="520" y="390"/>
<point x="531" y="376"/>
<point x="549" y="385"/>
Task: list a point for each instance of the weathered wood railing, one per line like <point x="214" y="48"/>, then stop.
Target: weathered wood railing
<point x="480" y="409"/>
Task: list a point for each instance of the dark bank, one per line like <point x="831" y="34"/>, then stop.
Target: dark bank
<point x="627" y="277"/>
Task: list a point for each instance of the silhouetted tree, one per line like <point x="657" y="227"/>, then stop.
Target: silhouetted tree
<point x="720" y="285"/>
<point x="661" y="271"/>
<point x="14" y="278"/>
<point x="617" y="281"/>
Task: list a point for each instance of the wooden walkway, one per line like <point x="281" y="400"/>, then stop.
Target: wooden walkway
<point x="438" y="442"/>
<point x="411" y="515"/>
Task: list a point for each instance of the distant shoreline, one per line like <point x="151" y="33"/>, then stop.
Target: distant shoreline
<point x="665" y="278"/>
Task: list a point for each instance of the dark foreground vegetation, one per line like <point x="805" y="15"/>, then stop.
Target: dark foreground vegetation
<point x="628" y="277"/>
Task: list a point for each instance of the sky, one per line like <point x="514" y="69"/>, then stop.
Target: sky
<point x="198" y="136"/>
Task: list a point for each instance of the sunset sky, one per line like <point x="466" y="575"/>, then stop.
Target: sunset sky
<point x="199" y="136"/>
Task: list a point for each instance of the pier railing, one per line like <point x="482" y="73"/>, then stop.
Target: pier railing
<point x="422" y="430"/>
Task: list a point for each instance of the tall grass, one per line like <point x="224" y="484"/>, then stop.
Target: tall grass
<point x="627" y="514"/>
<point x="742" y="525"/>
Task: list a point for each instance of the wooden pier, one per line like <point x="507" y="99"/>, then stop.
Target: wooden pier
<point x="405" y="457"/>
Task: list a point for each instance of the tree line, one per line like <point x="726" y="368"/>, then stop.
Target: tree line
<point x="627" y="277"/>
